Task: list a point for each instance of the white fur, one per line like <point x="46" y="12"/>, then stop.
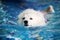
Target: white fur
<point x="38" y="18"/>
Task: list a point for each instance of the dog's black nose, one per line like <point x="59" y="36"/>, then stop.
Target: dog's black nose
<point x="26" y="23"/>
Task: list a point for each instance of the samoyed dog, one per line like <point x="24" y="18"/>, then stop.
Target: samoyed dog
<point x="33" y="18"/>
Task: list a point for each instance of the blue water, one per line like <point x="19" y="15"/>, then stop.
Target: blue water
<point x="10" y="30"/>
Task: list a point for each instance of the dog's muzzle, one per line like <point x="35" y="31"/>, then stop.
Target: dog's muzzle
<point x="25" y="23"/>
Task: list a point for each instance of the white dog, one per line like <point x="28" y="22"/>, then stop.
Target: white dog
<point x="31" y="17"/>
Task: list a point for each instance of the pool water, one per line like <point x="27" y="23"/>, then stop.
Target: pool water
<point x="10" y="30"/>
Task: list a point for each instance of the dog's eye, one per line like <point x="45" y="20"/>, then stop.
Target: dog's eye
<point x="30" y="18"/>
<point x="23" y="18"/>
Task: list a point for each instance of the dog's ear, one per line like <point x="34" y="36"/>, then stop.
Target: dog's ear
<point x="50" y="9"/>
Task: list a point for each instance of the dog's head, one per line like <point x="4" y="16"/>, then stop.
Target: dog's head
<point x="31" y="17"/>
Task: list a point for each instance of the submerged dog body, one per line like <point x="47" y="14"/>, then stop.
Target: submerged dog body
<point x="31" y="17"/>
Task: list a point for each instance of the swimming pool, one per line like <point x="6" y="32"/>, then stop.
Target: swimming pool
<point x="10" y="30"/>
